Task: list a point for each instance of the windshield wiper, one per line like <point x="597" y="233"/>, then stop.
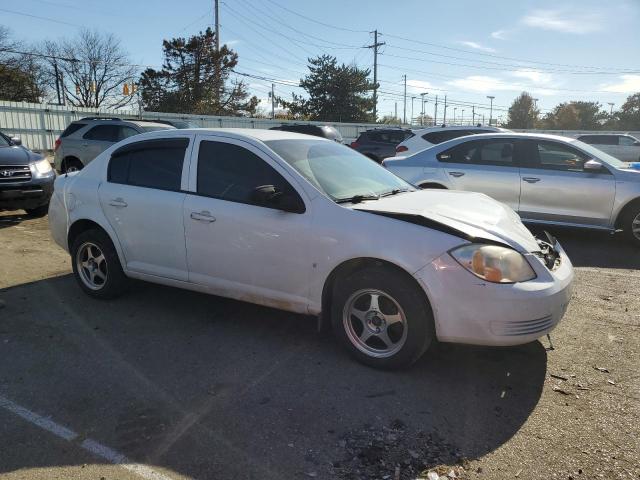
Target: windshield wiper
<point x="357" y="198"/>
<point x="394" y="192"/>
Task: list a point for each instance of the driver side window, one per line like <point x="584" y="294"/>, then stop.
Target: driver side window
<point x="233" y="173"/>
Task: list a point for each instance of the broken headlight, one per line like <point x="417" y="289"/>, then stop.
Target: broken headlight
<point x="494" y="263"/>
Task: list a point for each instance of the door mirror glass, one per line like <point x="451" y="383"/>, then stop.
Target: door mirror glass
<point x="16" y="141"/>
<point x="592" y="166"/>
<point x="272" y="197"/>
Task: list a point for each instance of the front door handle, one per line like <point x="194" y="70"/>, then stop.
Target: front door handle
<point x="456" y="174"/>
<point x="117" y="202"/>
<point x="531" y="179"/>
<point x="203" y="216"/>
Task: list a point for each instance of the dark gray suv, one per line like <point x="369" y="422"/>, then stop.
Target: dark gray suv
<point x="83" y="140"/>
<point x="26" y="178"/>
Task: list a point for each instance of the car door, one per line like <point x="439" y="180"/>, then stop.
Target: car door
<point x="236" y="245"/>
<point x="143" y="201"/>
<point x="486" y="166"/>
<point x="556" y="188"/>
<point x="628" y="149"/>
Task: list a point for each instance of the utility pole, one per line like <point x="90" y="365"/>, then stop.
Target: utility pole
<point x="395" y="114"/>
<point x="273" y="101"/>
<point x="462" y="118"/>
<point x="55" y="70"/>
<point x="483" y="119"/>
<point x="404" y="112"/>
<point x="375" y="46"/>
<point x="490" y="97"/>
<point x="412" y="99"/>
<point x="217" y="68"/>
<point x="454" y="114"/>
<point x="435" y="112"/>
<point x="444" y="120"/>
<point x="422" y="108"/>
<point x="611" y="104"/>
<point x="473" y="114"/>
<point x="217" y="24"/>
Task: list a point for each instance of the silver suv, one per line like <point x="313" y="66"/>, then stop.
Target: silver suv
<point x="547" y="179"/>
<point x="622" y="146"/>
<point x="84" y="139"/>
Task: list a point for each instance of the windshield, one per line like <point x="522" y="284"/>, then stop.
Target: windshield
<point x="153" y="128"/>
<point x="600" y="155"/>
<point x="4" y="142"/>
<point x="337" y="170"/>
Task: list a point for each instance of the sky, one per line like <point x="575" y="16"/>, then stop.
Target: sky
<point x="467" y="50"/>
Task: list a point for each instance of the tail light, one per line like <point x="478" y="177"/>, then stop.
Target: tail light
<point x="353" y="144"/>
<point x="57" y="145"/>
<point x="401" y="148"/>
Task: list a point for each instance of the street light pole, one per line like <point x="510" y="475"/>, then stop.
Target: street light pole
<point x="412" y="99"/>
<point x="462" y="118"/>
<point x="611" y="104"/>
<point x="490" y="97"/>
<point x="454" y="115"/>
<point x="422" y="107"/>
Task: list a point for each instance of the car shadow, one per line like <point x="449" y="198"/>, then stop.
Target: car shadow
<point x="592" y="248"/>
<point x="12" y="219"/>
<point x="213" y="388"/>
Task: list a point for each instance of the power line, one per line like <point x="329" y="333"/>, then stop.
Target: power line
<point x="335" y="27"/>
<point x="48" y="19"/>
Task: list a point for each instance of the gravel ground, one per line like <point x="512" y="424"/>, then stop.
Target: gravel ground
<point x="195" y="386"/>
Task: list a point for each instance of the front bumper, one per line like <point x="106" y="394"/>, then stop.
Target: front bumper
<point x="470" y="310"/>
<point x="28" y="195"/>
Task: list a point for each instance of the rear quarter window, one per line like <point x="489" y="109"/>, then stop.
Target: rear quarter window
<point x="74" y="127"/>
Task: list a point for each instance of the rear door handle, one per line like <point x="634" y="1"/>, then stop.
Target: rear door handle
<point x="117" y="202"/>
<point x="531" y="179"/>
<point x="203" y="217"/>
<point x="456" y="174"/>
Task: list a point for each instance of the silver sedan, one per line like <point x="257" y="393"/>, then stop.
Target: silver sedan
<point x="547" y="179"/>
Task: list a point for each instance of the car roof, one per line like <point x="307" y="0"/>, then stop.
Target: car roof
<point x="260" y="134"/>
<point x="458" y="127"/>
<point x="507" y="134"/>
<point x="145" y="123"/>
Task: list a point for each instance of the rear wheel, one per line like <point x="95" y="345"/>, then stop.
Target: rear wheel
<point x="70" y="165"/>
<point x="382" y="317"/>
<point x="96" y="265"/>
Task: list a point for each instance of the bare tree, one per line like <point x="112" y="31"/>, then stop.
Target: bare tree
<point x="94" y="68"/>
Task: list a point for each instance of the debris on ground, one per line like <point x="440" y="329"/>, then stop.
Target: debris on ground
<point x="559" y="377"/>
<point x="560" y="390"/>
<point x="399" y="453"/>
<point x="601" y="369"/>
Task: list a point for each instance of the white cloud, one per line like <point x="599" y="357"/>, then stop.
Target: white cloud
<point x="418" y="86"/>
<point x="499" y="34"/>
<point x="533" y="76"/>
<point x="476" y="46"/>
<point x="566" y="22"/>
<point x="628" y="84"/>
<point x="487" y="84"/>
<point x="230" y="43"/>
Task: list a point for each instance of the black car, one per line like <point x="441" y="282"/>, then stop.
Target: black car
<point x="380" y="143"/>
<point x="26" y="178"/>
<point x="324" y="131"/>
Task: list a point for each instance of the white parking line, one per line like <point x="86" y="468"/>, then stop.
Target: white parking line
<point x="89" y="445"/>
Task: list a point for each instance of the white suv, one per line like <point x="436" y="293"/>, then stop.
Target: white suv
<point x="622" y="146"/>
<point x="428" y="137"/>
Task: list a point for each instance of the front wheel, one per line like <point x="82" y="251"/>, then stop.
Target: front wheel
<point x="96" y="265"/>
<point x="631" y="225"/>
<point x="382" y="317"/>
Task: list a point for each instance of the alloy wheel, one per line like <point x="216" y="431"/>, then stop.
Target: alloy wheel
<point x="91" y="265"/>
<point x="375" y="323"/>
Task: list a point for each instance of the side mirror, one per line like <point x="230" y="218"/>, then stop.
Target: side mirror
<point x="592" y="166"/>
<point x="272" y="197"/>
<point x="16" y="141"/>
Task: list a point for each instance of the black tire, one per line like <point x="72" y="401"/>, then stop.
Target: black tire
<point x="38" y="212"/>
<point x="115" y="281"/>
<point x="71" y="165"/>
<point x="632" y="213"/>
<point x="418" y="317"/>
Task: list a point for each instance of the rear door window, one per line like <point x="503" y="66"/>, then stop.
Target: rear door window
<point x="151" y="164"/>
<point x="74" y="127"/>
<point x="483" y="152"/>
<point x="444" y="135"/>
<point x="103" y="133"/>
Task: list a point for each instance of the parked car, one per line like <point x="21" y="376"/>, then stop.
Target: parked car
<point x="84" y="139"/>
<point x="623" y="147"/>
<point x="324" y="131"/>
<point x="380" y="143"/>
<point x="176" y="123"/>
<point x="309" y="226"/>
<point x="547" y="179"/>
<point x="26" y="178"/>
<point x="428" y="137"/>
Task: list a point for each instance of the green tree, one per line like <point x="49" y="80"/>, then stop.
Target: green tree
<point x="21" y="77"/>
<point x="523" y="112"/>
<point x="196" y="79"/>
<point x="338" y="93"/>
<point x="576" y="116"/>
<point x="629" y="114"/>
<point x="390" y="120"/>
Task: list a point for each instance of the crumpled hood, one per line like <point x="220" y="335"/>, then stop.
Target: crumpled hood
<point x="475" y="215"/>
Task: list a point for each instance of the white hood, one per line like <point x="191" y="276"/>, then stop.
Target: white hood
<point x="474" y="214"/>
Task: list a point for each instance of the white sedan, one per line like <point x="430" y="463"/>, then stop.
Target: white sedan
<point x="304" y="224"/>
